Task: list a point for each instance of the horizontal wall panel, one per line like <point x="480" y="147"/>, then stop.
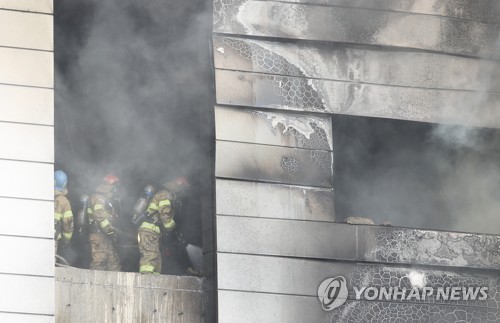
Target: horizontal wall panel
<point x="361" y="26"/>
<point x="268" y="308"/>
<point x="26" y="30"/>
<point x="362" y="311"/>
<point x="33" y="142"/>
<point x="342" y="62"/>
<point x="271" y="308"/>
<point x="267" y="275"/>
<point x="274" y="164"/>
<point x="27" y="218"/>
<point x="426" y="247"/>
<point x="26" y="318"/>
<point x="30" y="256"/>
<point x="26" y="67"/>
<point x="27" y="294"/>
<point x="45" y="6"/>
<point x="357" y="242"/>
<point x="312" y="95"/>
<point x="286" y="238"/>
<point x="273" y="128"/>
<point x="26" y="180"/>
<point x="484" y="10"/>
<point x="274" y="201"/>
<point x="26" y="104"/>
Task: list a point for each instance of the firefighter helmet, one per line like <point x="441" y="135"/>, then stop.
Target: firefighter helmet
<point x="60" y="180"/>
<point x="178" y="185"/>
<point x="111" y="180"/>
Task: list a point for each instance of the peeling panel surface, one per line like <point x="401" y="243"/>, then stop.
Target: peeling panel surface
<point x="342" y="62"/>
<point x="354" y="25"/>
<point x="273" y="128"/>
<point x="486" y="11"/>
<point x="413" y="246"/>
<point x="274" y="164"/>
<point x="323" y="96"/>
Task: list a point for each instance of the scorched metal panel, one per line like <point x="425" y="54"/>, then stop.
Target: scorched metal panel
<point x="313" y="95"/>
<point x="273" y="128"/>
<point x="274" y="201"/>
<point x="354" y="25"/>
<point x="306" y="239"/>
<point x="343" y="62"/>
<point x="274" y="164"/>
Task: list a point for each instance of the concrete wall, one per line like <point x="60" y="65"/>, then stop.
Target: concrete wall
<point x="26" y="161"/>
<point x="283" y="70"/>
<point x="100" y="296"/>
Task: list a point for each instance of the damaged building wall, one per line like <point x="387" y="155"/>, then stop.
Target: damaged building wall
<point x="26" y="161"/>
<point x="99" y="296"/>
<point x="283" y="70"/>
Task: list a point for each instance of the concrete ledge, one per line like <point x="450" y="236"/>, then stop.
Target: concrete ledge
<point x="100" y="296"/>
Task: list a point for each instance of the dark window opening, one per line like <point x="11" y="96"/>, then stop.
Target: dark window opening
<point x="417" y="175"/>
<point x="134" y="97"/>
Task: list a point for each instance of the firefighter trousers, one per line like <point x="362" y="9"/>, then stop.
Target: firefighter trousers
<point x="103" y="253"/>
<point x="149" y="247"/>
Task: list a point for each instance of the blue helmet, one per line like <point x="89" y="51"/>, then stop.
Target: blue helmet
<point x="60" y="180"/>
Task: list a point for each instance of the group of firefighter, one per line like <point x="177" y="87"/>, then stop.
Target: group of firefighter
<point x="154" y="215"/>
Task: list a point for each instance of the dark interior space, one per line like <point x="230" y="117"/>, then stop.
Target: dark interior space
<point x="417" y="175"/>
<point x="134" y="97"/>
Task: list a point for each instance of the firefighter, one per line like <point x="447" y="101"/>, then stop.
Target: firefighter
<point x="159" y="220"/>
<point x="63" y="216"/>
<point x="102" y="236"/>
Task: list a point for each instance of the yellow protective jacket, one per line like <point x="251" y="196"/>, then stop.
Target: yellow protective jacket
<point x="161" y="212"/>
<point x="101" y="211"/>
<point x="63" y="216"/>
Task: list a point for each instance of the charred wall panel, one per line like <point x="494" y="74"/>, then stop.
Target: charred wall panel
<point x="284" y="290"/>
<point x="356" y="25"/>
<point x="304" y="59"/>
<point x="239" y="198"/>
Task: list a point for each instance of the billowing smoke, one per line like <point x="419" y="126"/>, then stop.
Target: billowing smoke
<point x="134" y="96"/>
<point x="438" y="176"/>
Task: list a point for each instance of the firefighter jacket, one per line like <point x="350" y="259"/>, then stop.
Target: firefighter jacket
<point x="161" y="212"/>
<point x="63" y="216"/>
<point x="101" y="212"/>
